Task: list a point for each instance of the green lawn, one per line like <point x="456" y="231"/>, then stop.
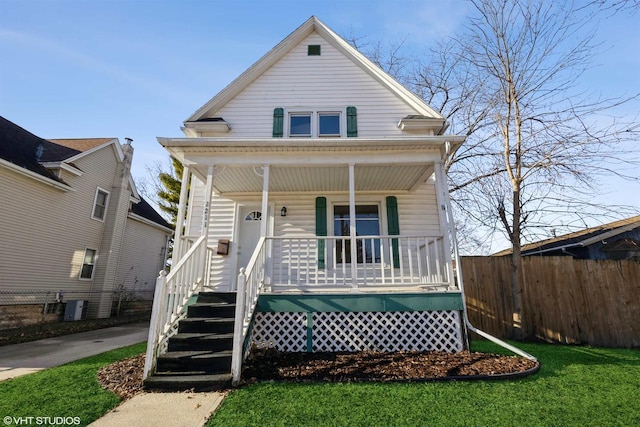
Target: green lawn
<point x="70" y="390"/>
<point x="576" y="386"/>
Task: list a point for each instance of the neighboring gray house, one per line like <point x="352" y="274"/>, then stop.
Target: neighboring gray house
<point x="72" y="221"/>
<point x="617" y="240"/>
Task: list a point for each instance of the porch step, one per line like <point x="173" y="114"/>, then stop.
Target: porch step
<point x="198" y="357"/>
<point x="193" y="341"/>
<point x="197" y="381"/>
<point x="219" y="297"/>
<point x="212" y="310"/>
<point x="218" y="362"/>
<point x="206" y="324"/>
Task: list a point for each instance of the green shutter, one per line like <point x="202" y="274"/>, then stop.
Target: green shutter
<point x="352" y="122"/>
<point x="321" y="227"/>
<point x="393" y="228"/>
<point x="278" y="122"/>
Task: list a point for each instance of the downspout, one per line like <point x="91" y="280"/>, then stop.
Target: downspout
<point x="456" y="256"/>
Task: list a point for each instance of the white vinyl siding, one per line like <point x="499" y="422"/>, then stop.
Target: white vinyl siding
<point x="323" y="83"/>
<point x="141" y="258"/>
<point x="54" y="227"/>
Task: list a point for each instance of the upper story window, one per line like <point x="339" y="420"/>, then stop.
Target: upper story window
<point x="312" y="123"/>
<point x="100" y="204"/>
<point x="322" y="124"/>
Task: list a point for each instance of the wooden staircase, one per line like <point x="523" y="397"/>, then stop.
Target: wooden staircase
<point x="199" y="355"/>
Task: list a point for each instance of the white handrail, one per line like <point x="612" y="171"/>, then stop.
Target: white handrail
<point x="250" y="283"/>
<point x="171" y="295"/>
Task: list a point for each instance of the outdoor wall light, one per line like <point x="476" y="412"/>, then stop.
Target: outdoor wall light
<point x="283" y="211"/>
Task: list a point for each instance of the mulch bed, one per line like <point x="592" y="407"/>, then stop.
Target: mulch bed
<point x="125" y="376"/>
<point x="271" y="364"/>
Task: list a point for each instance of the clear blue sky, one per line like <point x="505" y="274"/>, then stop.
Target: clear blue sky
<point x="138" y="68"/>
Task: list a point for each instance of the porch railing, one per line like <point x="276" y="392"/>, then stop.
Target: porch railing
<point x="172" y="292"/>
<point x="300" y="262"/>
<point x="250" y="282"/>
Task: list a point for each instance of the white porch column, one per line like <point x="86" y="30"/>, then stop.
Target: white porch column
<point x="204" y="230"/>
<point x="442" y="196"/>
<point x="352" y="226"/>
<point x="178" y="233"/>
<point x="265" y="201"/>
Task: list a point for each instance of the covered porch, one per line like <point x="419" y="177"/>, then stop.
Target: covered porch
<point x="326" y="215"/>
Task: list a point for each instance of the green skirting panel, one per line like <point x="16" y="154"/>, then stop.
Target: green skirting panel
<point x="359" y="302"/>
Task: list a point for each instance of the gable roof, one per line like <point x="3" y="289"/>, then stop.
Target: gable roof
<point x="146" y="211"/>
<point x="83" y="144"/>
<point x="581" y="238"/>
<point x="291" y="41"/>
<point x="22" y="148"/>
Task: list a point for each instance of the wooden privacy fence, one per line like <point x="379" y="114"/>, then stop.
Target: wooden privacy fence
<point x="563" y="300"/>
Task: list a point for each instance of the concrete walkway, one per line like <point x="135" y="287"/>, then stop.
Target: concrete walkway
<point x="29" y="357"/>
<point x="146" y="409"/>
<point x="163" y="409"/>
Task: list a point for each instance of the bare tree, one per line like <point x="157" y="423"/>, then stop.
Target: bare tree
<point x="537" y="148"/>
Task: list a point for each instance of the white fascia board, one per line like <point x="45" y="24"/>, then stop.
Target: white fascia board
<point x="134" y="190"/>
<point x="308" y="142"/>
<point x="149" y="222"/>
<point x="609" y="234"/>
<point x="116" y="147"/>
<point x="256" y="70"/>
<point x="35" y="176"/>
<point x="64" y="166"/>
<point x="292" y="40"/>
<point x="376" y="72"/>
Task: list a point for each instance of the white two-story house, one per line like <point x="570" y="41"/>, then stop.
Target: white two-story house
<point x="313" y="186"/>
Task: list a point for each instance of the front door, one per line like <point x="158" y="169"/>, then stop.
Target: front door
<point x="249" y="233"/>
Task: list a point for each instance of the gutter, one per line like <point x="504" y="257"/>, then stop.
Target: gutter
<point x="467" y="322"/>
<point x="45" y="180"/>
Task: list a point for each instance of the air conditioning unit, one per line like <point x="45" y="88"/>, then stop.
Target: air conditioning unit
<point x="75" y="310"/>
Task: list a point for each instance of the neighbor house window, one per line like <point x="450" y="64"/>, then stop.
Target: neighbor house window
<point x="88" y="264"/>
<point x="100" y="204"/>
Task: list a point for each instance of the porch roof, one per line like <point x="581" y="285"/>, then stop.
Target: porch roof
<point x="313" y="165"/>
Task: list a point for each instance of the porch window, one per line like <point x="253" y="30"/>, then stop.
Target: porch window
<point x="367" y="224"/>
<point x="88" y="264"/>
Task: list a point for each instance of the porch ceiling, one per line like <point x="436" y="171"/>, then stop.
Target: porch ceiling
<point x="236" y="179"/>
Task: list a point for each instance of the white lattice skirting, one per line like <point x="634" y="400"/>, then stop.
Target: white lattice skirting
<point x="356" y="331"/>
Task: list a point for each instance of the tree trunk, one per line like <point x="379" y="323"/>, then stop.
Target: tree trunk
<point x="516" y="265"/>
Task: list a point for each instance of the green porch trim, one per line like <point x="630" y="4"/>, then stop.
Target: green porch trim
<point x="309" y="332"/>
<point x="359" y="302"/>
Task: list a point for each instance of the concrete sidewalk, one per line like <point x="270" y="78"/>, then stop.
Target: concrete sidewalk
<point x="146" y="409"/>
<point x="29" y="357"/>
<point x="163" y="409"/>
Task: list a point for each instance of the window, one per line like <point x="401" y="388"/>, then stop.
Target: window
<point x="367" y="224"/>
<point x="100" y="204"/>
<point x="253" y="216"/>
<point x="313" y="50"/>
<point x="329" y="124"/>
<point x="88" y="262"/>
<point x="315" y="124"/>
<point x="300" y="125"/>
